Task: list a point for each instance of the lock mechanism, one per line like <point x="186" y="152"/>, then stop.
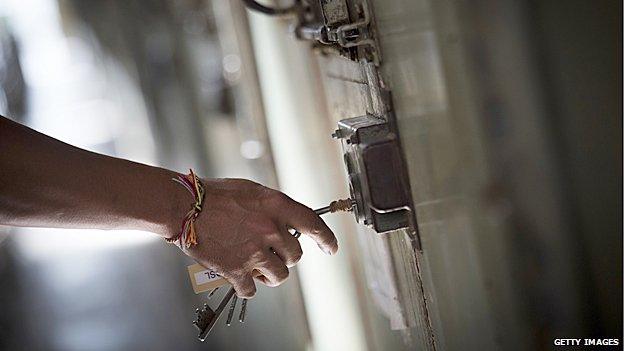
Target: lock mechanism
<point x="339" y="26"/>
<point x="376" y="172"/>
<point x="343" y="25"/>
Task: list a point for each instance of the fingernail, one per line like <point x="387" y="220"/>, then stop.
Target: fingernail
<point x="332" y="252"/>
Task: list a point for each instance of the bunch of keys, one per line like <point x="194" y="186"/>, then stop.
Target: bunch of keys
<point x="207" y="317"/>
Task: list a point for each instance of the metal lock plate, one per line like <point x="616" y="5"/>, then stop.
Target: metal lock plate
<point x="376" y="173"/>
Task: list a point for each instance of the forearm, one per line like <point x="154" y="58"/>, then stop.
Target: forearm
<point x="45" y="182"/>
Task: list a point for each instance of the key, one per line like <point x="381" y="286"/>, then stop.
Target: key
<point x="207" y="318"/>
<point x="213" y="292"/>
<point x="243" y="311"/>
<point x="334" y="206"/>
<point x="228" y="322"/>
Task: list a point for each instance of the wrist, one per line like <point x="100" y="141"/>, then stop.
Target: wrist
<point x="186" y="236"/>
<point x="179" y="201"/>
<point x="163" y="210"/>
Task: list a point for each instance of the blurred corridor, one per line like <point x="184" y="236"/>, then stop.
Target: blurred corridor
<point x="157" y="91"/>
<point x="507" y="113"/>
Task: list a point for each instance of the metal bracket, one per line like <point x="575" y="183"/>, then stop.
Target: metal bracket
<point x="376" y="174"/>
<point x="345" y="24"/>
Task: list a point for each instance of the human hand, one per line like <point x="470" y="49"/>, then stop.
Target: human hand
<point x="243" y="233"/>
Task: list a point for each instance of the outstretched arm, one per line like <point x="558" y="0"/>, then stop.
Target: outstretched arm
<point x="47" y="183"/>
<point x="241" y="230"/>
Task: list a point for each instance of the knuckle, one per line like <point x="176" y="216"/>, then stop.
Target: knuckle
<point x="282" y="275"/>
<point x="247" y="289"/>
<point x="238" y="277"/>
<point x="263" y="225"/>
<point x="297" y="254"/>
<point x="247" y="293"/>
<point x="275" y="197"/>
<point x="277" y="281"/>
<point x="279" y="195"/>
<point x="252" y="248"/>
<point x="263" y="262"/>
<point x="249" y="183"/>
<point x="317" y="231"/>
<point x="294" y="257"/>
<point x="273" y="236"/>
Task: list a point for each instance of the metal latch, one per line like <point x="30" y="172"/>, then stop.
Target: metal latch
<point x="342" y="25"/>
<point x="376" y="173"/>
<point x="345" y="25"/>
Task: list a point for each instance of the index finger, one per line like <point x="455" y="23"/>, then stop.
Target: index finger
<point x="304" y="220"/>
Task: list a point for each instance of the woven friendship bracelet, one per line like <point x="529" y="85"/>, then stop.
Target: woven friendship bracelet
<point x="187" y="236"/>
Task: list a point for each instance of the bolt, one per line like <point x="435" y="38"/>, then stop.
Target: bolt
<point x="337" y="134"/>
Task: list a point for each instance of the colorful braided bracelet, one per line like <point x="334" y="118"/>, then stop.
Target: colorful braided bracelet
<point x="187" y="236"/>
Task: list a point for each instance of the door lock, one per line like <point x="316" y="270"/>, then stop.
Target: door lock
<point x="376" y="173"/>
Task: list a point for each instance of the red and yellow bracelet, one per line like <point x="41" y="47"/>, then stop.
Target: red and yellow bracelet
<point x="187" y="237"/>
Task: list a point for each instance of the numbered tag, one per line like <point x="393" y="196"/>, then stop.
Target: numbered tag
<point x="204" y="279"/>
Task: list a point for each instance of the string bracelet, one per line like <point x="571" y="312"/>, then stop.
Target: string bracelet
<point x="187" y="237"/>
